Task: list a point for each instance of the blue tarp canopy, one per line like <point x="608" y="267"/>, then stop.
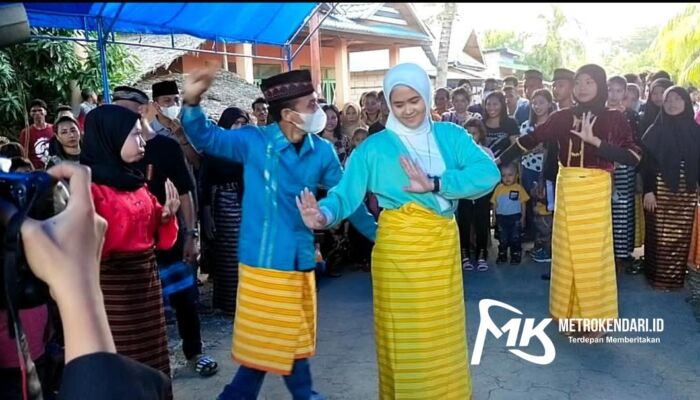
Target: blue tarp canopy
<point x="268" y="23"/>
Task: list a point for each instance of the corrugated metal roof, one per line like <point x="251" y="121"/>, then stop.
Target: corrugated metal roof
<point x="342" y="24"/>
<point x="513" y="65"/>
<point x="357" y="10"/>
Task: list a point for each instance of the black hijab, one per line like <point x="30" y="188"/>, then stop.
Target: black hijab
<point x="106" y="129"/>
<point x="651" y="110"/>
<point x="597" y="105"/>
<point x="672" y="139"/>
<point x="230" y="115"/>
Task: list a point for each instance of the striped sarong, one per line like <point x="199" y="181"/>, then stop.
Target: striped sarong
<point x="583" y="283"/>
<point x="638" y="220"/>
<point x="694" y="252"/>
<point x="134" y="303"/>
<point x="668" y="233"/>
<point x="223" y="249"/>
<point x="419" y="316"/>
<point x="624" y="182"/>
<point x="275" y="321"/>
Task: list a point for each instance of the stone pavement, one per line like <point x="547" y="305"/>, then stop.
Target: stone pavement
<point x="345" y="367"/>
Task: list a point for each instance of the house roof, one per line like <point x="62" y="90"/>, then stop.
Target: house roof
<point x="473" y="49"/>
<point x="227" y="90"/>
<point x="465" y="52"/>
<point x="358" y="10"/>
<point x="505" y="50"/>
<point x="151" y="59"/>
<point x="386" y="20"/>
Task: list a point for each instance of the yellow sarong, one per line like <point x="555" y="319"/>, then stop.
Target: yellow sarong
<point x="275" y="321"/>
<point x="583" y="281"/>
<point x="419" y="317"/>
<point x="638" y="220"/>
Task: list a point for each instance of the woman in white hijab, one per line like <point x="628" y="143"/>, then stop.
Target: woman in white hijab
<point x="418" y="169"/>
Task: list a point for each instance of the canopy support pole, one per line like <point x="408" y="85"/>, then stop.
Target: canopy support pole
<point x="313" y="31"/>
<point x="102" y="47"/>
<point x="288" y="56"/>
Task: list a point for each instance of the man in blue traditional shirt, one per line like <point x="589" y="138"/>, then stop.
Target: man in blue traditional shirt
<point x="275" y="323"/>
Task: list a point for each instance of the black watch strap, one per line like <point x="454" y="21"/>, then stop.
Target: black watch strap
<point x="436" y="184"/>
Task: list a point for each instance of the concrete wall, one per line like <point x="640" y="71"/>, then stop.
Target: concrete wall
<point x="365" y="81"/>
<point x="194" y="61"/>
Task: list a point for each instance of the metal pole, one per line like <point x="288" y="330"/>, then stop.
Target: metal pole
<point x="65" y="38"/>
<point x="288" y="56"/>
<point x="101" y="45"/>
<point x="223" y="42"/>
<point x="316" y="28"/>
<point x="301" y="27"/>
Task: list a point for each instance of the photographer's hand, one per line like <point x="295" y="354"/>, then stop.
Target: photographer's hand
<point x="64" y="251"/>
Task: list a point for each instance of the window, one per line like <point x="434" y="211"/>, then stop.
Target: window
<point x="326" y="73"/>
<point x="263" y="71"/>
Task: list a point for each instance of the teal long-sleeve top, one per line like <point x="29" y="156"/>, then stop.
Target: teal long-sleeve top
<point x="374" y="166"/>
<point x="273" y="234"/>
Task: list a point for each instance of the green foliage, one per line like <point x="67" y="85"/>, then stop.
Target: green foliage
<point x="632" y="53"/>
<point x="496" y="38"/>
<point x="36" y="69"/>
<point x="121" y="66"/>
<point x="678" y="47"/>
<point x="551" y="52"/>
<point x="45" y="68"/>
<point x="556" y="51"/>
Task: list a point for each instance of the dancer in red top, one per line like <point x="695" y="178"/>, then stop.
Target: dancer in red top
<point x="137" y="224"/>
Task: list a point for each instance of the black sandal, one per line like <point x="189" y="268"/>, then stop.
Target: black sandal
<point x="204" y="365"/>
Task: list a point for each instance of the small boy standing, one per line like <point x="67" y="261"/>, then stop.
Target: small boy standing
<point x="509" y="204"/>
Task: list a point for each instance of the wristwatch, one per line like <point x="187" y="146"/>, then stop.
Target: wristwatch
<point x="436" y="184"/>
<point x="192" y="233"/>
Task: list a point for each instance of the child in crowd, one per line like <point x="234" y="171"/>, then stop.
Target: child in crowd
<point x="475" y="213"/>
<point x="358" y="136"/>
<point x="509" y="202"/>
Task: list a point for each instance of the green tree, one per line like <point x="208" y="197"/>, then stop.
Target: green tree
<point x="121" y="67"/>
<point x="495" y="38"/>
<point x="631" y="53"/>
<point x="44" y="69"/>
<point x="678" y="47"/>
<point x="556" y="50"/>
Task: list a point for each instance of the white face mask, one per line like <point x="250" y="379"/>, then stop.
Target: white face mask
<point x="171" y="112"/>
<point x="312" y="123"/>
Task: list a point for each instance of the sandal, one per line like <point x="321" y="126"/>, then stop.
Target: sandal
<point x="204" y="365"/>
<point x="467" y="265"/>
<point x="482" y="266"/>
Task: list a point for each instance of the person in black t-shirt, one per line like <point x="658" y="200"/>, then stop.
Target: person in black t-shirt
<point x="501" y="130"/>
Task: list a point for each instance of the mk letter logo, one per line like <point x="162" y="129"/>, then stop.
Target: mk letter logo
<point x="512" y="327"/>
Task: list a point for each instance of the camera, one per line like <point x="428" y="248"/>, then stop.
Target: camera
<point x="33" y="195"/>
